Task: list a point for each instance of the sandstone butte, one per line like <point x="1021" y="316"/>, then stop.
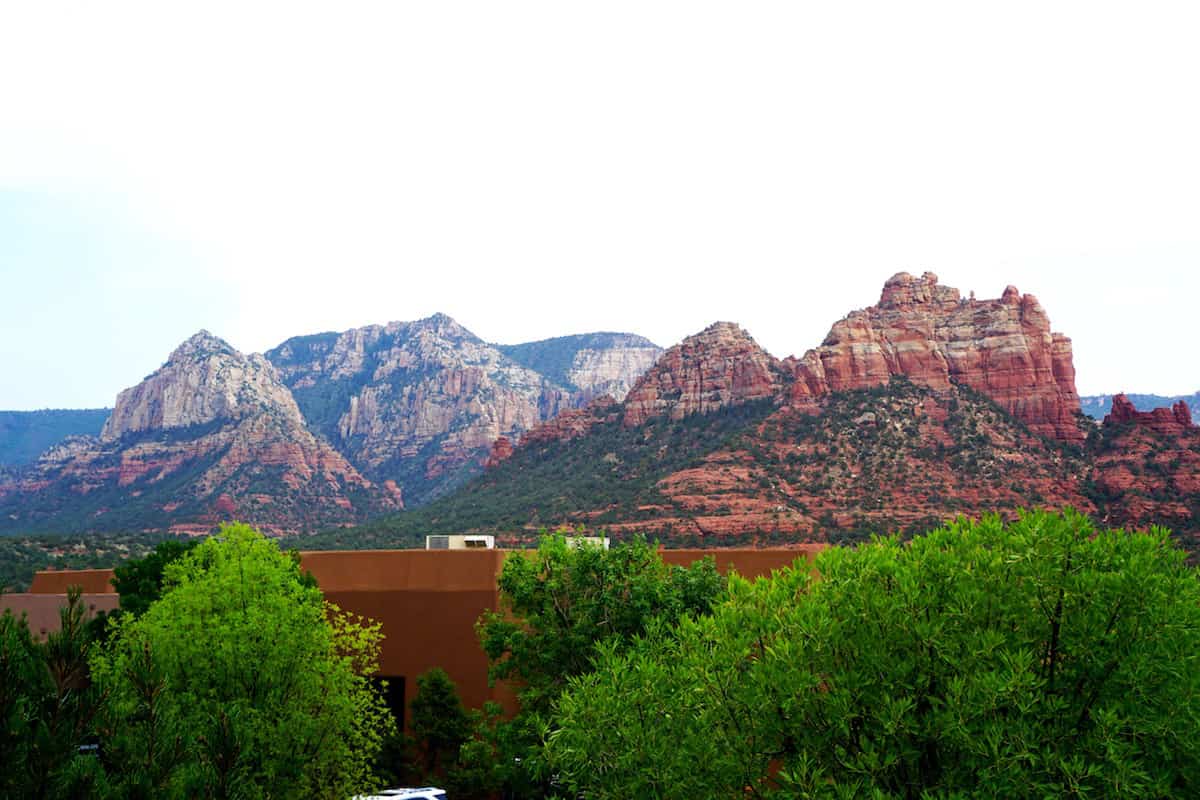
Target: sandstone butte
<point x="1002" y="348"/>
<point x="1150" y="466"/>
<point x="1146" y="466"/>
<point x="929" y="333"/>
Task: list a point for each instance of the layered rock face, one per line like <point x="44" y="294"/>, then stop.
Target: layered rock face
<point x="719" y="367"/>
<point x="589" y="365"/>
<point x="416" y="402"/>
<point x="212" y="435"/>
<point x="929" y="333"/>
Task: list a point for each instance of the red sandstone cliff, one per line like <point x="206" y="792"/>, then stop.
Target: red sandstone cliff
<point x="719" y="367"/>
<point x="1173" y="421"/>
<point x="929" y="333"/>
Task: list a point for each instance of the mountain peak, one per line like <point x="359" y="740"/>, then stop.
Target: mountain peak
<point x="193" y="388"/>
<point x="201" y="343"/>
<point x="904" y="290"/>
<point x="928" y="333"/>
<point x="718" y="367"/>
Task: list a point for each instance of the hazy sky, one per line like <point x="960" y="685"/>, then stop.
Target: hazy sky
<point x="538" y="169"/>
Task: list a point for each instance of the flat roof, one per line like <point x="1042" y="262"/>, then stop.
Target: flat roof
<point x="58" y="581"/>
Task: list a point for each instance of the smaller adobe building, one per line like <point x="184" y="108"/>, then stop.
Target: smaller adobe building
<point x="427" y="602"/>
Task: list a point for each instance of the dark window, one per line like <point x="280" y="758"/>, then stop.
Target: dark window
<point x="393" y="695"/>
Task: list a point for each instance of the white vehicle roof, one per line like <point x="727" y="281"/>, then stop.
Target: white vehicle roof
<point x="423" y="793"/>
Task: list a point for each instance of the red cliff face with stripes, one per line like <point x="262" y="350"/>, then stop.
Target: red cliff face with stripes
<point x="1001" y="348"/>
<point x="719" y="367"/>
<point x="921" y="330"/>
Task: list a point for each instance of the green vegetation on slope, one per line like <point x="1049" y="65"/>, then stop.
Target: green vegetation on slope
<point x="21" y="556"/>
<point x="915" y="459"/>
<point x="25" y="435"/>
<point x="613" y="467"/>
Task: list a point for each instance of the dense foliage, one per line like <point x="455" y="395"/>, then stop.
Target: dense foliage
<point x="239" y="681"/>
<point x="257" y="679"/>
<point x="547" y="485"/>
<point x="560" y="606"/>
<point x="1041" y="658"/>
<point x="439" y="722"/>
<point x="140" y="582"/>
<point x="47" y="708"/>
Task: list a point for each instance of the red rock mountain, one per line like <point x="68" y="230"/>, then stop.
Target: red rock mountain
<point x="719" y="367"/>
<point x="932" y="335"/>
<point x="919" y="330"/>
<point x="911" y="411"/>
<point x="1147" y="466"/>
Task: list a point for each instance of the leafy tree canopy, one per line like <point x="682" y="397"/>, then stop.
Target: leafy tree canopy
<point x="139" y="582"/>
<point x="240" y="681"/>
<point x="440" y="724"/>
<point x="560" y="602"/>
<point x="559" y="605"/>
<point x="1041" y="658"/>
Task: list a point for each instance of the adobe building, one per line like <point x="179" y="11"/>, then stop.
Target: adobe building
<point x="426" y="600"/>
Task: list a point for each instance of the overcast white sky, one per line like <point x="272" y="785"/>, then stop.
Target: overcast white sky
<point x="538" y="169"/>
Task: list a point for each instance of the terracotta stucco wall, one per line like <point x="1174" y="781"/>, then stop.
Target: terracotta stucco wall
<point x="428" y="601"/>
<point x="92" y="581"/>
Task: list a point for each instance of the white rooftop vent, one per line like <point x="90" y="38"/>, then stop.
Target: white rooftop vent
<point x="461" y="542"/>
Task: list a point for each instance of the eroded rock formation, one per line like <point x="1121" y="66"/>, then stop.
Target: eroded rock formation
<point x="212" y="435"/>
<point x="719" y="367"/>
<point x="417" y="402"/>
<point x="929" y="333"/>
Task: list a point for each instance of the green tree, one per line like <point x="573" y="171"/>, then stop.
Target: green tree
<point x="561" y="604"/>
<point x="139" y="582"/>
<point x="240" y="681"/>
<point x="439" y="722"/>
<point x="47" y="706"/>
<point x="1042" y="658"/>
